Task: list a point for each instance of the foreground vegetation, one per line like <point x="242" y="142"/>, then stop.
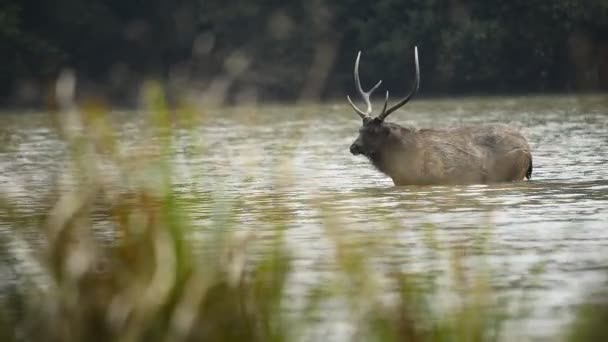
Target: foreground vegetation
<point x="118" y="257"/>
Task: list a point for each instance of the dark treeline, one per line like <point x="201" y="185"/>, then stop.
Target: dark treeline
<point x="291" y="49"/>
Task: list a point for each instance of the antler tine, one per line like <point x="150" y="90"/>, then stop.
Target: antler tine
<point x="365" y="95"/>
<point x="399" y="104"/>
<point x="385" y="104"/>
<point x="357" y="110"/>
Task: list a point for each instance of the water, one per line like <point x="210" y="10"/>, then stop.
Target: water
<point x="547" y="238"/>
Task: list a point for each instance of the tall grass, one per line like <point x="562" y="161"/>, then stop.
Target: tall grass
<point x="115" y="258"/>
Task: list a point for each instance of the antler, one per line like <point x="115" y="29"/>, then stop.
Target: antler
<point x="399" y="104"/>
<point x="364" y="95"/>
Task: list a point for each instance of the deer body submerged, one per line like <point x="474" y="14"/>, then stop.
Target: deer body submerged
<point x="468" y="155"/>
<point x="465" y="155"/>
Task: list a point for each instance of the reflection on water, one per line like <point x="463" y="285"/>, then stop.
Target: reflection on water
<point x="557" y="221"/>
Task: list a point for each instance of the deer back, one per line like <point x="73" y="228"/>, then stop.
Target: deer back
<point x="455" y="156"/>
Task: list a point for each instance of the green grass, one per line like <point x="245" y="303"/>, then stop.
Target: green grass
<point x="143" y="277"/>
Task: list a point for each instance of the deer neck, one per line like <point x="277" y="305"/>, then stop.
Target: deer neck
<point x="398" y="158"/>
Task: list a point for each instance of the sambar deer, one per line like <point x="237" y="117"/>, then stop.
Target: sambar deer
<point x="465" y="155"/>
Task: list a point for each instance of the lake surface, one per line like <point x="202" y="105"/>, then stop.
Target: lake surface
<point x="547" y="238"/>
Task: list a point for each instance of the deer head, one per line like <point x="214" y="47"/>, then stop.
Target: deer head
<point x="374" y="132"/>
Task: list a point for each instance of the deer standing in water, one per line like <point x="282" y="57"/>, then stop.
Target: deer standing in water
<point x="466" y="155"/>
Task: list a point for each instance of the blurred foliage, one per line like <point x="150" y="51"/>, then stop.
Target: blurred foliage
<point x="117" y="257"/>
<point x="277" y="47"/>
<point x="590" y="322"/>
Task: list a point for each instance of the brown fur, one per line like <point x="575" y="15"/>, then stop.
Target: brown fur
<point x="467" y="155"/>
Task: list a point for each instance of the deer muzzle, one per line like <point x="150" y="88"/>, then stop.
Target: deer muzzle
<point x="355" y="149"/>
